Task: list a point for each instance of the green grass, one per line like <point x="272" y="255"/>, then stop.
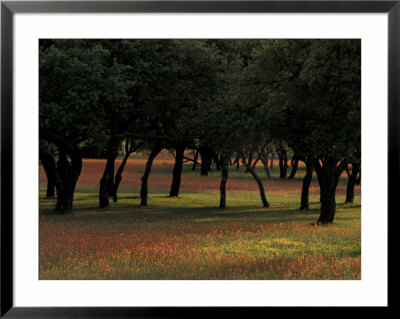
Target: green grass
<point x="189" y="237"/>
<point x="203" y="206"/>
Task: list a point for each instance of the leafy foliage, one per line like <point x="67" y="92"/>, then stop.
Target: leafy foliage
<point x="247" y="96"/>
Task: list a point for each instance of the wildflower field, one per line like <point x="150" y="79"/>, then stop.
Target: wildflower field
<point x="189" y="237"/>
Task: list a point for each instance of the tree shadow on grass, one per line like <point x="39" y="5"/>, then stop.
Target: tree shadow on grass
<point x="166" y="210"/>
<point x="121" y="197"/>
<point x="158" y="214"/>
<point x="347" y="205"/>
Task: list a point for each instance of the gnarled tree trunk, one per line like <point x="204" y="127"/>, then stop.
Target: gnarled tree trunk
<point x="328" y="178"/>
<point x="67" y="175"/>
<point x="144" y="189"/>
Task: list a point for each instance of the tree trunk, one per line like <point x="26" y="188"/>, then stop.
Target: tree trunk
<point x="358" y="180"/>
<point x="237" y="163"/>
<point x="196" y="155"/>
<point x="295" y="164"/>
<point x="216" y="160"/>
<point x="283" y="164"/>
<point x="108" y="178"/>
<point x="271" y="165"/>
<point x="68" y="175"/>
<point x="224" y="179"/>
<point x="250" y="167"/>
<point x="49" y="167"/>
<point x="205" y="166"/>
<point x="264" y="160"/>
<point x="249" y="159"/>
<point x="118" y="176"/>
<point x="254" y="165"/>
<point x="177" y="172"/>
<point x="260" y="187"/>
<point x="304" y="205"/>
<point x="328" y="178"/>
<point x="265" y="164"/>
<point x="50" y="188"/>
<point x="328" y="202"/>
<point x="351" y="183"/>
<point x="144" y="189"/>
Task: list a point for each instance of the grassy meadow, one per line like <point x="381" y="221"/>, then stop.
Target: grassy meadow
<point x="189" y="237"/>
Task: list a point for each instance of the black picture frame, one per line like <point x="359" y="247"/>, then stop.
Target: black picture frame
<point x="9" y="8"/>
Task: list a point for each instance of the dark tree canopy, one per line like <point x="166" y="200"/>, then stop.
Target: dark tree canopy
<point x="312" y="91"/>
<point x="219" y="97"/>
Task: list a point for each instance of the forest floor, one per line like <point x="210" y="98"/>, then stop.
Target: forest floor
<point x="189" y="237"/>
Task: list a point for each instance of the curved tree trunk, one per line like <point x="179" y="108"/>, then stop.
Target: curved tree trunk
<point x="294" y="164"/>
<point x="264" y="161"/>
<point x="106" y="180"/>
<point x="351" y="183"/>
<point x="250" y="167"/>
<point x="263" y="157"/>
<point x="224" y="179"/>
<point x="177" y="172"/>
<point x="245" y="160"/>
<point x="304" y="205"/>
<point x="144" y="189"/>
<point x="260" y="187"/>
<point x="68" y="174"/>
<point x="118" y="176"/>
<point x="358" y="180"/>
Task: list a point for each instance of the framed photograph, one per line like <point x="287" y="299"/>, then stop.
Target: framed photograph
<point x="160" y="158"/>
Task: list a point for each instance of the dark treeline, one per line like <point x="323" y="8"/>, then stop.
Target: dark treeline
<point x="228" y="101"/>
